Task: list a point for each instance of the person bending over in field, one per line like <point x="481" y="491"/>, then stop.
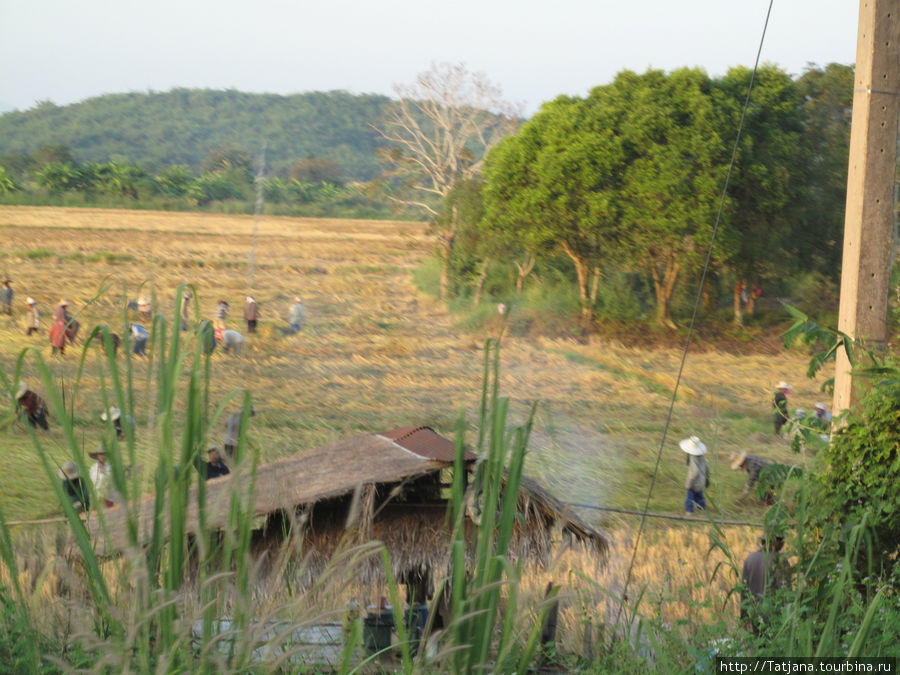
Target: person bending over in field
<point x="74" y="486"/>
<point x="32" y="406"/>
<point x="232" y="341"/>
<point x="140" y="336"/>
<point x="752" y="465"/>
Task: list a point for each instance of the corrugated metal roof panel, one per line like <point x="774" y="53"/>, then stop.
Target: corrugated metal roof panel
<point x="425" y="442"/>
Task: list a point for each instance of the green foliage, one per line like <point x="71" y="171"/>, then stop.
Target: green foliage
<point x="183" y="126"/>
<point x="862" y="461"/>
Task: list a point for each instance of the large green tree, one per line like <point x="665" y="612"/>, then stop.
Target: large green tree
<point x="768" y="181"/>
<point x="674" y="173"/>
<point x="556" y="185"/>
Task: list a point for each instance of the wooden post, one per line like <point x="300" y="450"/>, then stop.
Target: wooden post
<point x="868" y="221"/>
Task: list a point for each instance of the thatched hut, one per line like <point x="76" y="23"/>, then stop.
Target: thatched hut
<point x="390" y="487"/>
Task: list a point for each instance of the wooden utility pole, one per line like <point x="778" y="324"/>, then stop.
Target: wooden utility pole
<point x="869" y="217"/>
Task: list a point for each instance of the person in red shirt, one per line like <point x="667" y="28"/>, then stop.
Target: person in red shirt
<point x="58" y="336"/>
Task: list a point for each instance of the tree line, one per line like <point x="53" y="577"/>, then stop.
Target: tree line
<point x="609" y="200"/>
<point x="618" y="192"/>
<point x="183" y="126"/>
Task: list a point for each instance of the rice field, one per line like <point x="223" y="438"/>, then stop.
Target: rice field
<point x="376" y="353"/>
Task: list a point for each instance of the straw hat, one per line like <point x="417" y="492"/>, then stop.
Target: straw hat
<point x="783" y="385"/>
<point x="99" y="451"/>
<point x="737" y="459"/>
<point x="113" y="413"/>
<point x="820" y="406"/>
<point x="297" y="299"/>
<point x="250" y="298"/>
<point x="63" y="303"/>
<point x="30" y="301"/>
<point x="143" y="301"/>
<point x="692" y="446"/>
<point x="23" y="387"/>
<point x="69" y="471"/>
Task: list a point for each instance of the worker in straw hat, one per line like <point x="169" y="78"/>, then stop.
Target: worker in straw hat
<point x="115" y="415"/>
<point x="780" y="414"/>
<point x="32" y="406"/>
<point x="74" y="486"/>
<point x="749" y="463"/>
<point x="697" y="475"/>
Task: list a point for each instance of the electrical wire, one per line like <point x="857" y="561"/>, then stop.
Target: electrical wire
<point x="697" y="300"/>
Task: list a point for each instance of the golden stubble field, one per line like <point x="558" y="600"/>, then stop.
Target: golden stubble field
<point x="377" y="354"/>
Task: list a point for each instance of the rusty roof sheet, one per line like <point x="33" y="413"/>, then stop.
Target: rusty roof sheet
<point x="427" y="443"/>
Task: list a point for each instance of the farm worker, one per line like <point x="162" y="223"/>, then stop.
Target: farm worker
<point x="115" y="415"/>
<point x="58" y="336"/>
<point x="208" y="337"/>
<point x="101" y="477"/>
<point x="32" y="317"/>
<point x="752" y="465"/>
<point x="764" y="572"/>
<point x="32" y="406"/>
<point x="821" y="417"/>
<point x="74" y="487"/>
<point x="215" y="467"/>
<point x="296" y="315"/>
<point x="232" y="341"/>
<point x="144" y="310"/>
<point x="251" y="314"/>
<point x="6" y="296"/>
<point x="697" y="475"/>
<point x="220" y="315"/>
<point x="62" y="311"/>
<point x="185" y="309"/>
<point x="140" y="336"/>
<point x="780" y="414"/>
<point x="233" y="431"/>
<point x="62" y="314"/>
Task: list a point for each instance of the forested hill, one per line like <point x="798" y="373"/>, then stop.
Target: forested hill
<point x="182" y="126"/>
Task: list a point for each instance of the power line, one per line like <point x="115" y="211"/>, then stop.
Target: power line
<point x="697" y="300"/>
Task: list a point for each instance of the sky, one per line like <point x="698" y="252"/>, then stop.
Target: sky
<point x="66" y="51"/>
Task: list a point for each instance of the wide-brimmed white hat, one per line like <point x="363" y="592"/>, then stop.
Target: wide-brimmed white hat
<point x="113" y="413"/>
<point x="250" y="298"/>
<point x="820" y="406"/>
<point x="783" y="385"/>
<point x="69" y="471"/>
<point x="23" y="387"/>
<point x="30" y="301"/>
<point x="692" y="446"/>
<point x="737" y="459"/>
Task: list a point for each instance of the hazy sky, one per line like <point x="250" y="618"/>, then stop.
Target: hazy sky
<point x="69" y="50"/>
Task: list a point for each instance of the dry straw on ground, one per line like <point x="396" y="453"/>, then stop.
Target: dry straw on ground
<point x="377" y="354"/>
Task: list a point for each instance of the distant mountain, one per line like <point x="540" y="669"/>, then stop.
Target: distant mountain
<point x="183" y="126"/>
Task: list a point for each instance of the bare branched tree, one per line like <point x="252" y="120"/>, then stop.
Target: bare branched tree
<point x="438" y="134"/>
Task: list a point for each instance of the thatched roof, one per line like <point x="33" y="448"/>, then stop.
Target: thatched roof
<point x="339" y="471"/>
